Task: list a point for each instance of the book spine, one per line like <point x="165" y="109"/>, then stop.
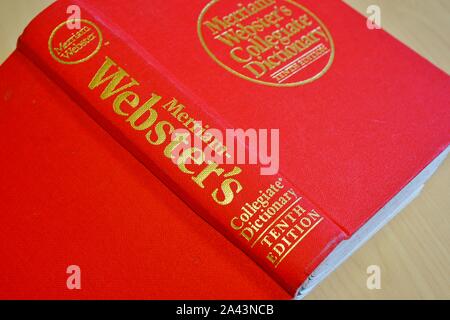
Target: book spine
<point x="137" y="101"/>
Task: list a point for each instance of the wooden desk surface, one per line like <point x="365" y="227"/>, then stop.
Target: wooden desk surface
<point x="413" y="251"/>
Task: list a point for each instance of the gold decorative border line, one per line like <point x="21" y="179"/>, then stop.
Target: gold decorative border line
<point x="100" y="42"/>
<point x="223" y="65"/>
<point x="274" y="221"/>
<point x="298" y="241"/>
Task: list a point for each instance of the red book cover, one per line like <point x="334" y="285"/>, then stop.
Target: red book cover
<point x="88" y="176"/>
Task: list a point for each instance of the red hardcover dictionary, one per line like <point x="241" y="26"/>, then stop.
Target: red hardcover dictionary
<point x="88" y="176"/>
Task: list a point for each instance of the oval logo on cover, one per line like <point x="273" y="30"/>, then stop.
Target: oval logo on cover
<point x="277" y="43"/>
<point x="74" y="46"/>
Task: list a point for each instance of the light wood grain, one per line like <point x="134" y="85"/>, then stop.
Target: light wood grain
<point x="413" y="250"/>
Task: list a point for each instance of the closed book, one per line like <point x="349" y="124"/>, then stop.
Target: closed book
<point x="89" y="176"/>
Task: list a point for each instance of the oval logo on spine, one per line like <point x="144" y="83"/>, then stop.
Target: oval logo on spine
<point x="277" y="43"/>
<point x="75" y="46"/>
